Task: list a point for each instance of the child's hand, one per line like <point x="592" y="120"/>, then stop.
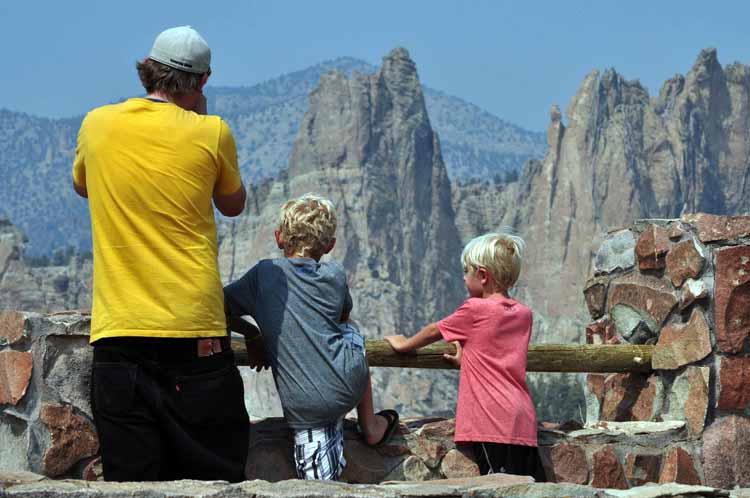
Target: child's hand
<point x="398" y="343"/>
<point x="256" y="357"/>
<point x="455" y="359"/>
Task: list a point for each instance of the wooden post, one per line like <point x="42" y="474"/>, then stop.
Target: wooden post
<point x="542" y="357"/>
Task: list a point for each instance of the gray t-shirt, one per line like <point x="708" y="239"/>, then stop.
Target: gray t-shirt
<point x="298" y="304"/>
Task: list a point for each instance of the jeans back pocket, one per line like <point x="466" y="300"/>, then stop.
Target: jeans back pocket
<point x="211" y="398"/>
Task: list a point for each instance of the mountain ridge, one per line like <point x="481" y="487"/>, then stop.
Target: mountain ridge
<point x="264" y="118"/>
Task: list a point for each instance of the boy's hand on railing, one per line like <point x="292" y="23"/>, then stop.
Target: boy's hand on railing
<point x="398" y="343"/>
<point x="256" y="357"/>
<point x="455" y="359"/>
<point x="248" y="327"/>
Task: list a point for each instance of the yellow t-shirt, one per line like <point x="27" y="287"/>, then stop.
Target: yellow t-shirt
<point x="150" y="169"/>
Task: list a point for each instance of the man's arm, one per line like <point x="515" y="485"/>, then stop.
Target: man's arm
<point x="232" y="204"/>
<point x="80" y="190"/>
<point x="426" y="336"/>
<point x="229" y="192"/>
<point x="79" y="168"/>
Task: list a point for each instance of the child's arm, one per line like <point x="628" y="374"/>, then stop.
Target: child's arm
<point x="426" y="336"/>
<point x="239" y="301"/>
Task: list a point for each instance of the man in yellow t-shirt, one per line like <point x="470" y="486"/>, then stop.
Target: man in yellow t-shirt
<point x="167" y="400"/>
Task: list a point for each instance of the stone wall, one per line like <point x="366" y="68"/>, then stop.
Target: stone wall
<point x="45" y="417"/>
<point x="682" y="285"/>
<point x="46" y="425"/>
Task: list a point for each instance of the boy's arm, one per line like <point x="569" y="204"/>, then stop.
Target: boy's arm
<point x="239" y="305"/>
<point x="256" y="353"/>
<point x="426" y="336"/>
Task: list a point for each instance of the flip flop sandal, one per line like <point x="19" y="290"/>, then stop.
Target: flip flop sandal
<point x="392" y="417"/>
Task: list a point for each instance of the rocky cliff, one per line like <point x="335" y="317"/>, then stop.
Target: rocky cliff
<point x="42" y="289"/>
<point x="36" y="153"/>
<point x="621" y="155"/>
<point x="366" y="143"/>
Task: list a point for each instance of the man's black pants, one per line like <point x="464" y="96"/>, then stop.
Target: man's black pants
<point x="163" y="413"/>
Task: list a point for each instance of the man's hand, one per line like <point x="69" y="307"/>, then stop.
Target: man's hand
<point x="399" y="343"/>
<point x="455" y="359"/>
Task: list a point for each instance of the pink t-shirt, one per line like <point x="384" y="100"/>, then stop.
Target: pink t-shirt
<point x="494" y="405"/>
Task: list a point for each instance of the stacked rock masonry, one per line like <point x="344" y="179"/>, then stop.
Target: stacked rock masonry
<point x="684" y="286"/>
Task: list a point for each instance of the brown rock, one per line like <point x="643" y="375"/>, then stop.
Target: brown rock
<point x="726" y="452"/>
<point x="443" y="429"/>
<point x="93" y="471"/>
<point x="647" y="295"/>
<point x="415" y="469"/>
<point x="271" y="461"/>
<point x="675" y="231"/>
<point x="732" y="297"/>
<point x="363" y="464"/>
<point x="712" y="228"/>
<point x="429" y="451"/>
<point x="734" y="381"/>
<point x="679" y="467"/>
<point x="692" y="290"/>
<point x="595" y="294"/>
<point x="684" y="261"/>
<point x="270" y="448"/>
<point x="72" y="438"/>
<point x="628" y="397"/>
<point x="696" y="404"/>
<point x="15" y="374"/>
<point x="393" y="450"/>
<point x="607" y="472"/>
<point x="567" y="463"/>
<point x="643" y="407"/>
<point x="459" y="462"/>
<point x="601" y="332"/>
<point x="595" y="384"/>
<point x="11" y="327"/>
<point x="642" y="468"/>
<point x="651" y="248"/>
<point x="681" y="345"/>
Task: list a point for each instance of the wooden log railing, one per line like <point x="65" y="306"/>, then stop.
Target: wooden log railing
<point x="541" y="358"/>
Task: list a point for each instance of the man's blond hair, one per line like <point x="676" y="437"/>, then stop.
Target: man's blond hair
<point x="500" y="253"/>
<point x="307" y="225"/>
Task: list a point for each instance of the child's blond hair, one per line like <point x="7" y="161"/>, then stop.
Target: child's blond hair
<point x="307" y="225"/>
<point x="500" y="253"/>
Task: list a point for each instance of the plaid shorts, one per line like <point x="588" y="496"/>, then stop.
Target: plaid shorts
<point x="319" y="452"/>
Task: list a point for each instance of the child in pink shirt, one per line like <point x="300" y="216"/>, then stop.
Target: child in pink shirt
<point x="494" y="410"/>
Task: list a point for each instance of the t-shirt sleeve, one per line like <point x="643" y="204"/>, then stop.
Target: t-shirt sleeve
<point x="79" y="163"/>
<point x="228" y="180"/>
<point x="240" y="295"/>
<point x="456" y="327"/>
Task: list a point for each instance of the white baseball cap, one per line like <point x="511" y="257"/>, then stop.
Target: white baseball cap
<point x="182" y="48"/>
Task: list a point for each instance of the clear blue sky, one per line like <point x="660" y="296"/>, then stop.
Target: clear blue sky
<point x="514" y="59"/>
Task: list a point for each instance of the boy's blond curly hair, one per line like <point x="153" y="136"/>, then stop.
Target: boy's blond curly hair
<point x="500" y="253"/>
<point x="307" y="225"/>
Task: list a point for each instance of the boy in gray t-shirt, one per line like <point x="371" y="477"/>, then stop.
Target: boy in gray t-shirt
<point x="316" y="354"/>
